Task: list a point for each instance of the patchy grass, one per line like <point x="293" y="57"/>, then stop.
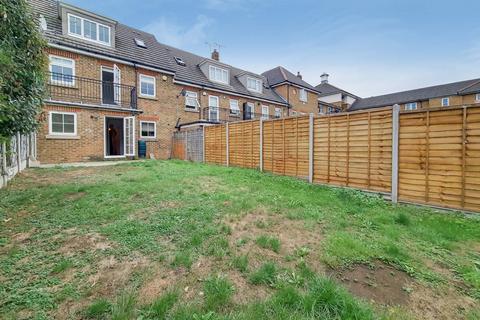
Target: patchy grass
<point x="142" y="240"/>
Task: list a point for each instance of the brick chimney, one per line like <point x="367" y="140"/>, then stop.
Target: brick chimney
<point x="215" y="55"/>
<point x="299" y="75"/>
<point x="324" y="77"/>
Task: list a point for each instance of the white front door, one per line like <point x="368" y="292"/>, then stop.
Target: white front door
<point x="129" y="135"/>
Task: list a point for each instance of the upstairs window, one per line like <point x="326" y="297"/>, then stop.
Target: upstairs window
<point x="234" y="109"/>
<point x="147" y="86"/>
<point x="445" y="102"/>
<point x="88" y="30"/>
<point x="477" y="97"/>
<point x="411" y="106"/>
<point x="218" y="74"/>
<point x="62" y="71"/>
<point x="303" y="95"/>
<point x="254" y="85"/>
<point x="191" y="102"/>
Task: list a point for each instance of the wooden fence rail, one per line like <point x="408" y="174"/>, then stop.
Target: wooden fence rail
<point x="426" y="157"/>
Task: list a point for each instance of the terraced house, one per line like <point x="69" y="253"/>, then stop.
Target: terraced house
<point x="110" y="86"/>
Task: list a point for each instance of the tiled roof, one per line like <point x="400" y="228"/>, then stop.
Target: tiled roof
<point x="155" y="55"/>
<point x="461" y="87"/>
<point x="280" y="75"/>
<point x="326" y="89"/>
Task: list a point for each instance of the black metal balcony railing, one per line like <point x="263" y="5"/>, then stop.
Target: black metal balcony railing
<point x="73" y="89"/>
<point x="227" y="115"/>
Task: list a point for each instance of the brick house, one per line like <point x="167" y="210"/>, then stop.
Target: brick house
<point x="110" y="85"/>
<point x="332" y="99"/>
<point x="446" y="95"/>
<point x="300" y="95"/>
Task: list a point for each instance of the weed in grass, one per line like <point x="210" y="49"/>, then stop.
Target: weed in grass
<point x="240" y="263"/>
<point x="124" y="307"/>
<point x="402" y="219"/>
<point x="225" y="229"/>
<point x="268" y="242"/>
<point x="63" y="265"/>
<point x="241" y="242"/>
<point x="302" y="252"/>
<point x="98" y="309"/>
<point x="183" y="259"/>
<point x="266" y="274"/>
<point x="287" y="296"/>
<point x="159" y="308"/>
<point x="218" y="247"/>
<point x="218" y="292"/>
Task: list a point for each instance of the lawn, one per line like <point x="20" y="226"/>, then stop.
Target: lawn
<point x="177" y="240"/>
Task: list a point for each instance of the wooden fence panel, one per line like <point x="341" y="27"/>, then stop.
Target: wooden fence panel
<point x="244" y="144"/>
<point x="215" y="144"/>
<point x="471" y="161"/>
<point x="354" y="150"/>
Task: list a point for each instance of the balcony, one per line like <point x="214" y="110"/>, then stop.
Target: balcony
<point x="86" y="91"/>
<point x="223" y="115"/>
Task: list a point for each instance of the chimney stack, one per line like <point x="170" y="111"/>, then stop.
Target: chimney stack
<point x="324" y="77"/>
<point x="215" y="55"/>
<point x="299" y="75"/>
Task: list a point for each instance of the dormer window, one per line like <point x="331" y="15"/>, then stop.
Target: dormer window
<point x="218" y="74"/>
<point x="254" y="84"/>
<point x="89" y="30"/>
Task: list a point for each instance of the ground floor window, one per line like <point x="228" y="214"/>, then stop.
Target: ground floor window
<point x="148" y="129"/>
<point x="411" y="106"/>
<point x="63" y="123"/>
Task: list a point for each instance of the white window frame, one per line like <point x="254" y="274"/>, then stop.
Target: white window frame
<point x="217" y="107"/>
<point x="191" y="95"/>
<point x="82" y="31"/>
<point x="258" y="84"/>
<point x="448" y="101"/>
<point x="234" y="111"/>
<point x="147" y="78"/>
<point x="56" y="82"/>
<point x="477" y="97"/>
<point x="278" y="112"/>
<point x="265" y="116"/>
<point x="50" y="131"/>
<point x="212" y="71"/>
<point x="411" y="106"/>
<point x="303" y="95"/>
<point x="154" y="130"/>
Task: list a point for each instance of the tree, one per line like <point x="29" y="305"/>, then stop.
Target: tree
<point x="22" y="68"/>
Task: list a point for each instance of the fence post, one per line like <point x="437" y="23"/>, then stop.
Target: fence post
<point x="3" y="171"/>
<point x="19" y="150"/>
<point x="227" y="144"/>
<point x="186" y="145"/>
<point x="261" y="143"/>
<point x="395" y="129"/>
<point x="203" y="143"/>
<point x="310" y="149"/>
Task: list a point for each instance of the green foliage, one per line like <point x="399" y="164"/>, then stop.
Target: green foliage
<point x="63" y="265"/>
<point x="268" y="242"/>
<point x="22" y="68"/>
<point x="218" y="292"/>
<point x="183" y="259"/>
<point x="266" y="274"/>
<point x="124" y="307"/>
<point x="240" y="263"/>
<point x="403" y="219"/>
<point x="98" y="309"/>
<point x="159" y="308"/>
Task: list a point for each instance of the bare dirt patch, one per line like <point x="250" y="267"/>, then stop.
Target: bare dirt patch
<point x="379" y="283"/>
<point x="292" y="234"/>
<point x="83" y="243"/>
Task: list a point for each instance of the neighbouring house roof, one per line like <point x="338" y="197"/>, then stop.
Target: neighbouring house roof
<point x="326" y="89"/>
<point x="191" y="73"/>
<point x="449" y="89"/>
<point x="280" y="75"/>
<point x="155" y="55"/>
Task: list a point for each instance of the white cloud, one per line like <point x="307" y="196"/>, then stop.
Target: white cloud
<point x="170" y="32"/>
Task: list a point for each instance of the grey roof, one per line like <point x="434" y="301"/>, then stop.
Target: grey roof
<point x="461" y="88"/>
<point x="192" y="73"/>
<point x="156" y="55"/>
<point x="280" y="75"/>
<point x="326" y="89"/>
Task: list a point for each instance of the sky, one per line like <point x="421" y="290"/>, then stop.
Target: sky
<point x="368" y="47"/>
